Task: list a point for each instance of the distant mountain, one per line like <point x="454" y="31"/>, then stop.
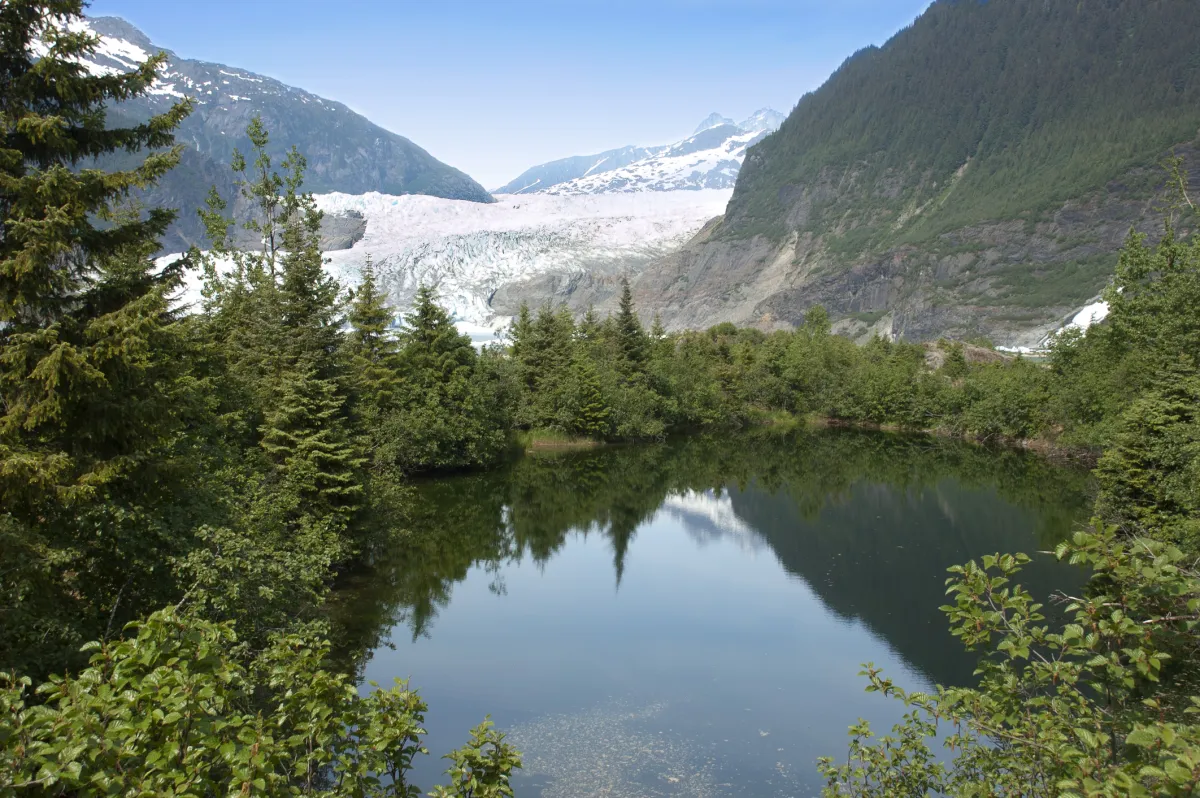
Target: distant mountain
<point x="712" y="120"/>
<point x="345" y="151"/>
<point x="974" y="176"/>
<point x="542" y="177"/>
<point x="710" y="158"/>
<point x="763" y="119"/>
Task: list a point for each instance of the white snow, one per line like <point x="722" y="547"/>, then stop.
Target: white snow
<point x="165" y="89"/>
<point x="668" y="169"/>
<point x="468" y="250"/>
<point x="1091" y="314"/>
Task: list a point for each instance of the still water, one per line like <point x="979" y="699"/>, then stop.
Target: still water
<point x="689" y="619"/>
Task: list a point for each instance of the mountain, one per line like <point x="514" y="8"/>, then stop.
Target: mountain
<point x="345" y="151"/>
<point x="553" y="173"/>
<point x="712" y="120"/>
<point x="763" y="119"/>
<point x="973" y="176"/>
<point x="710" y="158"/>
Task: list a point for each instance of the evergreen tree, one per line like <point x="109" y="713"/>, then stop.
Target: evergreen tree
<point x="309" y="297"/>
<point x="90" y="357"/>
<point x="371" y="347"/>
<point x="1150" y="477"/>
<point x="306" y="437"/>
<point x="661" y="345"/>
<point x="589" y="326"/>
<point x="434" y="352"/>
<point x="448" y="413"/>
<point x="587" y="412"/>
<point x="629" y="329"/>
<point x="243" y="302"/>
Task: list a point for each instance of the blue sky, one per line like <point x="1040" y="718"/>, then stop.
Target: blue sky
<point x="495" y="87"/>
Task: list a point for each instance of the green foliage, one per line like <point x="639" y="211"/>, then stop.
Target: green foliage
<point x="94" y="492"/>
<point x="482" y="767"/>
<point x="977" y="112"/>
<point x="371" y="348"/>
<point x="1150" y="475"/>
<point x="1004" y="400"/>
<point x="450" y="409"/>
<point x="1095" y="707"/>
<point x="223" y="465"/>
<point x="169" y="710"/>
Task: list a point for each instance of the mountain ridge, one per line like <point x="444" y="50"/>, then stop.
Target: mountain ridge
<point x="344" y="150"/>
<point x="658" y="168"/>
<point x="973" y="177"/>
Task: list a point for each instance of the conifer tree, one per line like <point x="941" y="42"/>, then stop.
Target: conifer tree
<point x="587" y="408"/>
<point x="1150" y="477"/>
<point x="662" y="347"/>
<point x="306" y="436"/>
<point x="371" y="346"/>
<point x="520" y="335"/>
<point x="243" y="313"/>
<point x="434" y="352"/>
<point x="310" y="303"/>
<point x="589" y="326"/>
<point x="445" y="415"/>
<point x="89" y="366"/>
<point x="629" y="327"/>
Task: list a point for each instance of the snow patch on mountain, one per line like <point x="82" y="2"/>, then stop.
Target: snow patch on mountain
<point x="712" y="120"/>
<point x="710" y="159"/>
<point x="469" y="250"/>
<point x="767" y="119"/>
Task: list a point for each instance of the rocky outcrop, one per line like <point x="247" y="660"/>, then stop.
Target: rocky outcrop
<point x="1009" y="281"/>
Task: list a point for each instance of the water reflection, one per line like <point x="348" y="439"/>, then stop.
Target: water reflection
<point x="688" y="618"/>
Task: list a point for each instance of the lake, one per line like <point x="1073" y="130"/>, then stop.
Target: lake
<point x="690" y="618"/>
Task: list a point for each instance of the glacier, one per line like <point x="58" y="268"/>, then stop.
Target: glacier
<point x="468" y="251"/>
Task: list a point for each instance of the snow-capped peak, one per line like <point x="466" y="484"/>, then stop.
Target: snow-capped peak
<point x="767" y="119"/>
<point x="712" y="120"/>
<point x="710" y="158"/>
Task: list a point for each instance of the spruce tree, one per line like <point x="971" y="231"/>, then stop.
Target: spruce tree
<point x="588" y="410"/>
<point x="520" y="335"/>
<point x="1149" y="477"/>
<point x="589" y="326"/>
<point x="434" y="352"/>
<point x="306" y="436"/>
<point x="629" y="328"/>
<point x="445" y="415"/>
<point x="89" y="350"/>
<point x="310" y="303"/>
<point x="371" y="346"/>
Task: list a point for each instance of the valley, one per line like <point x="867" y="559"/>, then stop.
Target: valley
<point x="753" y="469"/>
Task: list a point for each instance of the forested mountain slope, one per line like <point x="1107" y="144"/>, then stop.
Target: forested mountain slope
<point x="975" y="175"/>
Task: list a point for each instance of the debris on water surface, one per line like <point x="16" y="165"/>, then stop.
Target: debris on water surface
<point x="612" y="750"/>
<point x="607" y="751"/>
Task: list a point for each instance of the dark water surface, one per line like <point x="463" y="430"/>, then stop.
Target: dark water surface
<point x="690" y="618"/>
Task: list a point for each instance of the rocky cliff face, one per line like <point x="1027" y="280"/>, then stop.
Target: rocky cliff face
<point x="973" y="177"/>
<point x="1010" y="281"/>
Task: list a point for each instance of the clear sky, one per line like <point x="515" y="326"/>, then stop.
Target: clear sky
<point x="496" y="86"/>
